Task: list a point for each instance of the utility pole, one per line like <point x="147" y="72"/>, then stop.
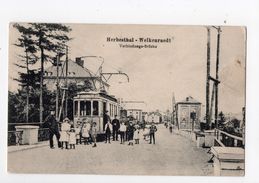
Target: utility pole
<point x="57" y="87"/>
<point x="41" y="84"/>
<point x="66" y="94"/>
<point x="208" y="79"/>
<point x="27" y="88"/>
<point x="217" y="77"/>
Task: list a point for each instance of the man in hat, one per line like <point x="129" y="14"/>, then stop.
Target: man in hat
<point x="115" y="128"/>
<point x="108" y="131"/>
<point x="106" y="118"/>
<point x="152" y="132"/>
<point x="52" y="125"/>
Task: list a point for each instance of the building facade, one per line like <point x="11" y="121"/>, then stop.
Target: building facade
<point x="188" y="113"/>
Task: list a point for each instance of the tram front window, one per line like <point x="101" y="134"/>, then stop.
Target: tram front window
<point x="95" y="108"/>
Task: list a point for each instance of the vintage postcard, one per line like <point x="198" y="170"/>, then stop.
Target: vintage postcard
<point x="113" y="99"/>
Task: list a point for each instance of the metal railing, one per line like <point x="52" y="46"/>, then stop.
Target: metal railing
<point x="43" y="134"/>
<point x="228" y="140"/>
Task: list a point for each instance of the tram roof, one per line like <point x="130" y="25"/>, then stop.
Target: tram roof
<point x="93" y="94"/>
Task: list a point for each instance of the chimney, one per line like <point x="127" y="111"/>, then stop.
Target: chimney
<point x="79" y="61"/>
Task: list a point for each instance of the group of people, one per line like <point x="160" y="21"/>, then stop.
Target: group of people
<point x="68" y="135"/>
<point x="128" y="131"/>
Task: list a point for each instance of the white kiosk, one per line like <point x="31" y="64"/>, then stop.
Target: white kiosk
<point x="29" y="134"/>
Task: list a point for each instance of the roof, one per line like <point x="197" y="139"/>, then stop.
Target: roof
<point x="74" y="71"/>
<point x="91" y="93"/>
<point x="189" y="100"/>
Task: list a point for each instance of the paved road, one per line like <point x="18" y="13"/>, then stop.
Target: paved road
<point x="171" y="155"/>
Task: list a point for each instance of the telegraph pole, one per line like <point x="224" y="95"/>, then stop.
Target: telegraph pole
<point x="41" y="85"/>
<point x="208" y="79"/>
<point x="66" y="80"/>
<point x="57" y="87"/>
<point x="27" y="88"/>
<point x="217" y="77"/>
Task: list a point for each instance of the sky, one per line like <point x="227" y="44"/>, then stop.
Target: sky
<point x="178" y="67"/>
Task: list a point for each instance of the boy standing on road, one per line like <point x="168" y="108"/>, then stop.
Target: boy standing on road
<point x="122" y="132"/>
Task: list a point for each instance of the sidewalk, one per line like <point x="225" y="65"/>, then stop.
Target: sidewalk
<point x="15" y="148"/>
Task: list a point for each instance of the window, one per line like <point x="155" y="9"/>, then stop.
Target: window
<point x="95" y="108"/>
<point x="85" y="108"/>
<point x="82" y="108"/>
<point x="88" y="107"/>
<point x="76" y="108"/>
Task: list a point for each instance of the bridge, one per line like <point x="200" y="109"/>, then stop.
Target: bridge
<point x="173" y="154"/>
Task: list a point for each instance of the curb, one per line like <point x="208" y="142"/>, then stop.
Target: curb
<point x="27" y="148"/>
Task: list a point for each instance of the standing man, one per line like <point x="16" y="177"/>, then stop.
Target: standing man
<point x="115" y="128"/>
<point x="108" y="131"/>
<point x="52" y="124"/>
<point x="106" y="118"/>
<point x="152" y="132"/>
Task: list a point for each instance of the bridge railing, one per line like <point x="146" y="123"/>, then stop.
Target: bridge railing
<point x="228" y="140"/>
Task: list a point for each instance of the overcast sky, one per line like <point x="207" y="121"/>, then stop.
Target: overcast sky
<point x="155" y="73"/>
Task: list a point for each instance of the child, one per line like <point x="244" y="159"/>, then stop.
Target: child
<point x="85" y="133"/>
<point x="146" y="133"/>
<point x="77" y="131"/>
<point x="64" y="134"/>
<point x="94" y="133"/>
<point x="136" y="135"/>
<point x="72" y="137"/>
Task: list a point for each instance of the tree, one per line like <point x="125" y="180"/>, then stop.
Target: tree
<point x="27" y="44"/>
<point x="48" y="40"/>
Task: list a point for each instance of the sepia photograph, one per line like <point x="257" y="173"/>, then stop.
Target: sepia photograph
<point x="126" y="99"/>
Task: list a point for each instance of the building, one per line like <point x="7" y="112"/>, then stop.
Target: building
<point x="155" y="117"/>
<point x="76" y="73"/>
<point x="187" y="112"/>
<point x="132" y="109"/>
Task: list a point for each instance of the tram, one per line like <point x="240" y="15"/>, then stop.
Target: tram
<point x="90" y="106"/>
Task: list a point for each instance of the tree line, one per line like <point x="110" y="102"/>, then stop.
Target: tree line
<point x="39" y="43"/>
